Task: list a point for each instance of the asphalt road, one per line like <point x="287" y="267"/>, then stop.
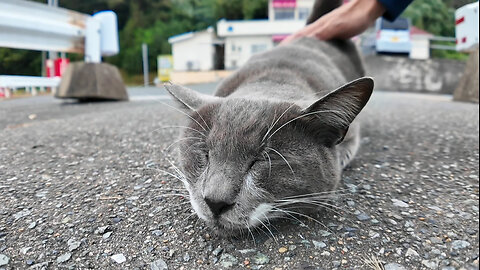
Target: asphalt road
<point x="82" y="187"/>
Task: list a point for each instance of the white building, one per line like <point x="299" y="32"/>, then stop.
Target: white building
<point x="193" y="50"/>
<point x="242" y="39"/>
<point x="420" y="40"/>
<point x="289" y="9"/>
<point x="246" y="38"/>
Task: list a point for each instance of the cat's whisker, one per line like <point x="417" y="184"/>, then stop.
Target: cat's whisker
<point x="301" y="116"/>
<point x="278" y="119"/>
<point x="250" y="232"/>
<point x="172" y="189"/>
<point x="292" y="217"/>
<point x="306" y="216"/>
<point x="286" y="161"/>
<point x="328" y="193"/>
<point x="265" y="153"/>
<point x="268" y="229"/>
<point x="182" y="139"/>
<point x="178" y="177"/>
<point x="186" y="114"/>
<point x="185" y="127"/>
<point x="314" y="203"/>
<point x="173" y="195"/>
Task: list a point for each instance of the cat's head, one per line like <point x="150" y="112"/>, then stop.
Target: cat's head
<point x="245" y="159"/>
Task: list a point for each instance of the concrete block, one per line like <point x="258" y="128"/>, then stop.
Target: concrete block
<point x="467" y="89"/>
<point x="436" y="76"/>
<point x="92" y="81"/>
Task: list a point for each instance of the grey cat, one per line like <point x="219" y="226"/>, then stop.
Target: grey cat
<point x="275" y="135"/>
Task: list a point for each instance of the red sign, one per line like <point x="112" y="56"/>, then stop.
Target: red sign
<point x="284" y="3"/>
<point x="55" y="68"/>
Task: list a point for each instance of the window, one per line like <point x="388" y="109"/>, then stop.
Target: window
<point x="284" y="14"/>
<point x="303" y="13"/>
<point x="258" y="48"/>
<point x="236" y="48"/>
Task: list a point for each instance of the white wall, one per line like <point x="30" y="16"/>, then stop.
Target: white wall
<point x="239" y="49"/>
<point x="198" y="51"/>
<point x="420" y="47"/>
<point x="300" y="5"/>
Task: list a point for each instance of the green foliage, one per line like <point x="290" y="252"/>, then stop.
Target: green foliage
<point x="20" y="62"/>
<point x="154" y="21"/>
<point x="143" y="21"/>
<point x="433" y="16"/>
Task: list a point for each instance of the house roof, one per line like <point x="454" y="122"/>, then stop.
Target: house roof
<point x="188" y="35"/>
<point x="258" y="27"/>
<point x="417" y="31"/>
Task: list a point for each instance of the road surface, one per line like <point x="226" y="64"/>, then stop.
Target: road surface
<point x="82" y="186"/>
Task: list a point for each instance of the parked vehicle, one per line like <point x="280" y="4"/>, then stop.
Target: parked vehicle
<point x="393" y="37"/>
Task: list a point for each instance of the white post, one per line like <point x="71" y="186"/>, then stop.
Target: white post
<point x="145" y="64"/>
<point x="92" y="41"/>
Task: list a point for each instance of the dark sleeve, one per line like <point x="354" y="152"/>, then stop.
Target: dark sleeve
<point x="394" y="8"/>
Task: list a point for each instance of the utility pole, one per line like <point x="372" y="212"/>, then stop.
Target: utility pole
<point x="145" y="64"/>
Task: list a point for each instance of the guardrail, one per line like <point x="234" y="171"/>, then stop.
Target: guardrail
<point x="442" y="46"/>
<point x="37" y="26"/>
<point x="9" y="83"/>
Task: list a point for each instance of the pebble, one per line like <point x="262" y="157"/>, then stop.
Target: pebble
<point x="32" y="225"/>
<point x="159" y="265"/>
<point x="217" y="251"/>
<point x="102" y="230"/>
<point x="394" y="266"/>
<point x="400" y="203"/>
<point x="363" y="217"/>
<point x="282" y="250"/>
<point x="324" y="233"/>
<point x="411" y="253"/>
<point x="318" y="244"/>
<point x="429" y="264"/>
<point x="157" y="232"/>
<point x="261" y="258"/>
<point x="4" y="260"/>
<point x="73" y="244"/>
<point x="227" y="260"/>
<point x="119" y="258"/>
<point x="460" y="244"/>
<point x="22" y="213"/>
<point x="106" y="235"/>
<point x="24" y="250"/>
<point x="65" y="257"/>
<point x="247" y="251"/>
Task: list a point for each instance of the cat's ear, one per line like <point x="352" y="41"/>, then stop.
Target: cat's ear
<point x="334" y="112"/>
<point x="188" y="99"/>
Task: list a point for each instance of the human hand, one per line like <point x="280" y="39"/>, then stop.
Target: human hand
<point x="343" y="22"/>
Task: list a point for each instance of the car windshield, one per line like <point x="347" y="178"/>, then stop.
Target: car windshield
<point x="398" y="24"/>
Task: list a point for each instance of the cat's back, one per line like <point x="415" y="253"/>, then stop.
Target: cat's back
<point x="321" y="66"/>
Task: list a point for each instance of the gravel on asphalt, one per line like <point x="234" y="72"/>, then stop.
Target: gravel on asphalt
<point x="86" y="186"/>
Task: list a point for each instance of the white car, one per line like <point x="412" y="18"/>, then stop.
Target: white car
<point x="393" y="37"/>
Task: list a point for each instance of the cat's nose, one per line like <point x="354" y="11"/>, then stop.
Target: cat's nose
<point x="218" y="207"/>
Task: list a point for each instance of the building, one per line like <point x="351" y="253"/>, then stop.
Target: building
<point x="420" y="40"/>
<point x="246" y="38"/>
<point x="239" y="40"/>
<point x="289" y="9"/>
<point x="194" y="51"/>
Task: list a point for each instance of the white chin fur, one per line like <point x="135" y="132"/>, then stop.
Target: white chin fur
<point x="259" y="214"/>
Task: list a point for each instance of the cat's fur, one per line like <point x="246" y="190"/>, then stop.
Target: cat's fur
<point x="274" y="134"/>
